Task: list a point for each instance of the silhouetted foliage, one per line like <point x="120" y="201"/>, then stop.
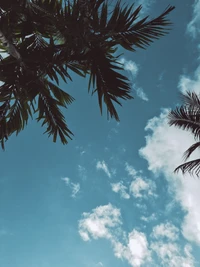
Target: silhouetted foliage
<point x="187" y="117"/>
<point x="46" y="38"/>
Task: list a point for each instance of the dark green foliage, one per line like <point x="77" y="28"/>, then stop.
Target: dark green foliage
<point x="187" y="117"/>
<point x="46" y="38"/>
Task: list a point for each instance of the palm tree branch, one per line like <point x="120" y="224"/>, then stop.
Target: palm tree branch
<point x="190" y="150"/>
<point x="192" y="167"/>
<point x="185" y="118"/>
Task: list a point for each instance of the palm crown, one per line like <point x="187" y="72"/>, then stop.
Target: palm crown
<point x="45" y="38"/>
<point x="187" y="117"/>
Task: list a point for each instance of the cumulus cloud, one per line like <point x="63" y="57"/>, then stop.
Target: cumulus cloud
<point x="75" y="187"/>
<point x="120" y="188"/>
<point x="132" y="68"/>
<point x="171" y="255"/>
<point x="101" y="165"/>
<point x="97" y="224"/>
<point x="167" y="230"/>
<point x="105" y="222"/>
<point x="172" y="142"/>
<point x="194" y="24"/>
<point x="136" y="251"/>
<point x="140" y="187"/>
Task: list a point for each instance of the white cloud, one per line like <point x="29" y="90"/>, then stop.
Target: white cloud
<point x="130" y="66"/>
<point x="120" y="188"/>
<point x="82" y="172"/>
<point x="194" y="24"/>
<point x="167" y="230"/>
<point x="140" y="92"/>
<point x="66" y="179"/>
<point x="75" y="187"/>
<point x="130" y="170"/>
<point x="101" y="165"/>
<point x="136" y="251"/>
<point x="133" y="69"/>
<point x="105" y="222"/>
<point x="186" y="83"/>
<point x="172" y="142"/>
<point x="140" y="188"/>
<point x="99" y="264"/>
<point x="97" y="224"/>
<point x="146" y="5"/>
<point x="161" y="75"/>
<point x="170" y="254"/>
<point x="150" y="218"/>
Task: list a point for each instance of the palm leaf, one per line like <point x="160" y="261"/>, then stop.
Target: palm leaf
<point x="190" y="150"/>
<point x="192" y="167"/>
<point x="51" y="115"/>
<point x="185" y="118"/>
<point x="123" y="28"/>
<point x="191" y="100"/>
<point x="111" y="85"/>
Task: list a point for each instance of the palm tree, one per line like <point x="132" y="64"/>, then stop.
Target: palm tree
<point x="43" y="39"/>
<point x="187" y="117"/>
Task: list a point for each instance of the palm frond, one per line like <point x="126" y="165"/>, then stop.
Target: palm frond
<point x="185" y="118"/>
<point x="51" y="114"/>
<point x="190" y="150"/>
<point x="191" y="100"/>
<point x="192" y="167"/>
<point x="110" y="84"/>
<point x="126" y="31"/>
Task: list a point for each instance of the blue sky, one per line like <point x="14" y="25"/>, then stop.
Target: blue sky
<point x="109" y="197"/>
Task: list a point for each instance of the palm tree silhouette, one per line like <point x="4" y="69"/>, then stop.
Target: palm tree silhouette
<point x="46" y="38"/>
<point x="187" y="117"/>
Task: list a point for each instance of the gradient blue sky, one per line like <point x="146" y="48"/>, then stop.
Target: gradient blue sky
<point x="109" y="197"/>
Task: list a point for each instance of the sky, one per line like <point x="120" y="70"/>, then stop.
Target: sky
<point x="110" y="197"/>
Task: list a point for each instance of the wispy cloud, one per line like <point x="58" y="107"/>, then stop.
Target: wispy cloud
<point x="187" y="83"/>
<point x="130" y="170"/>
<point x="141" y="187"/>
<point x="171" y="255"/>
<point x="167" y="230"/>
<point x="120" y="188"/>
<point x="146" y="5"/>
<point x="141" y="94"/>
<point x="150" y="218"/>
<point x="132" y="68"/>
<point x="82" y="172"/>
<point x="75" y="187"/>
<point x="101" y="165"/>
<point x="129" y="66"/>
<point x="194" y="25"/>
